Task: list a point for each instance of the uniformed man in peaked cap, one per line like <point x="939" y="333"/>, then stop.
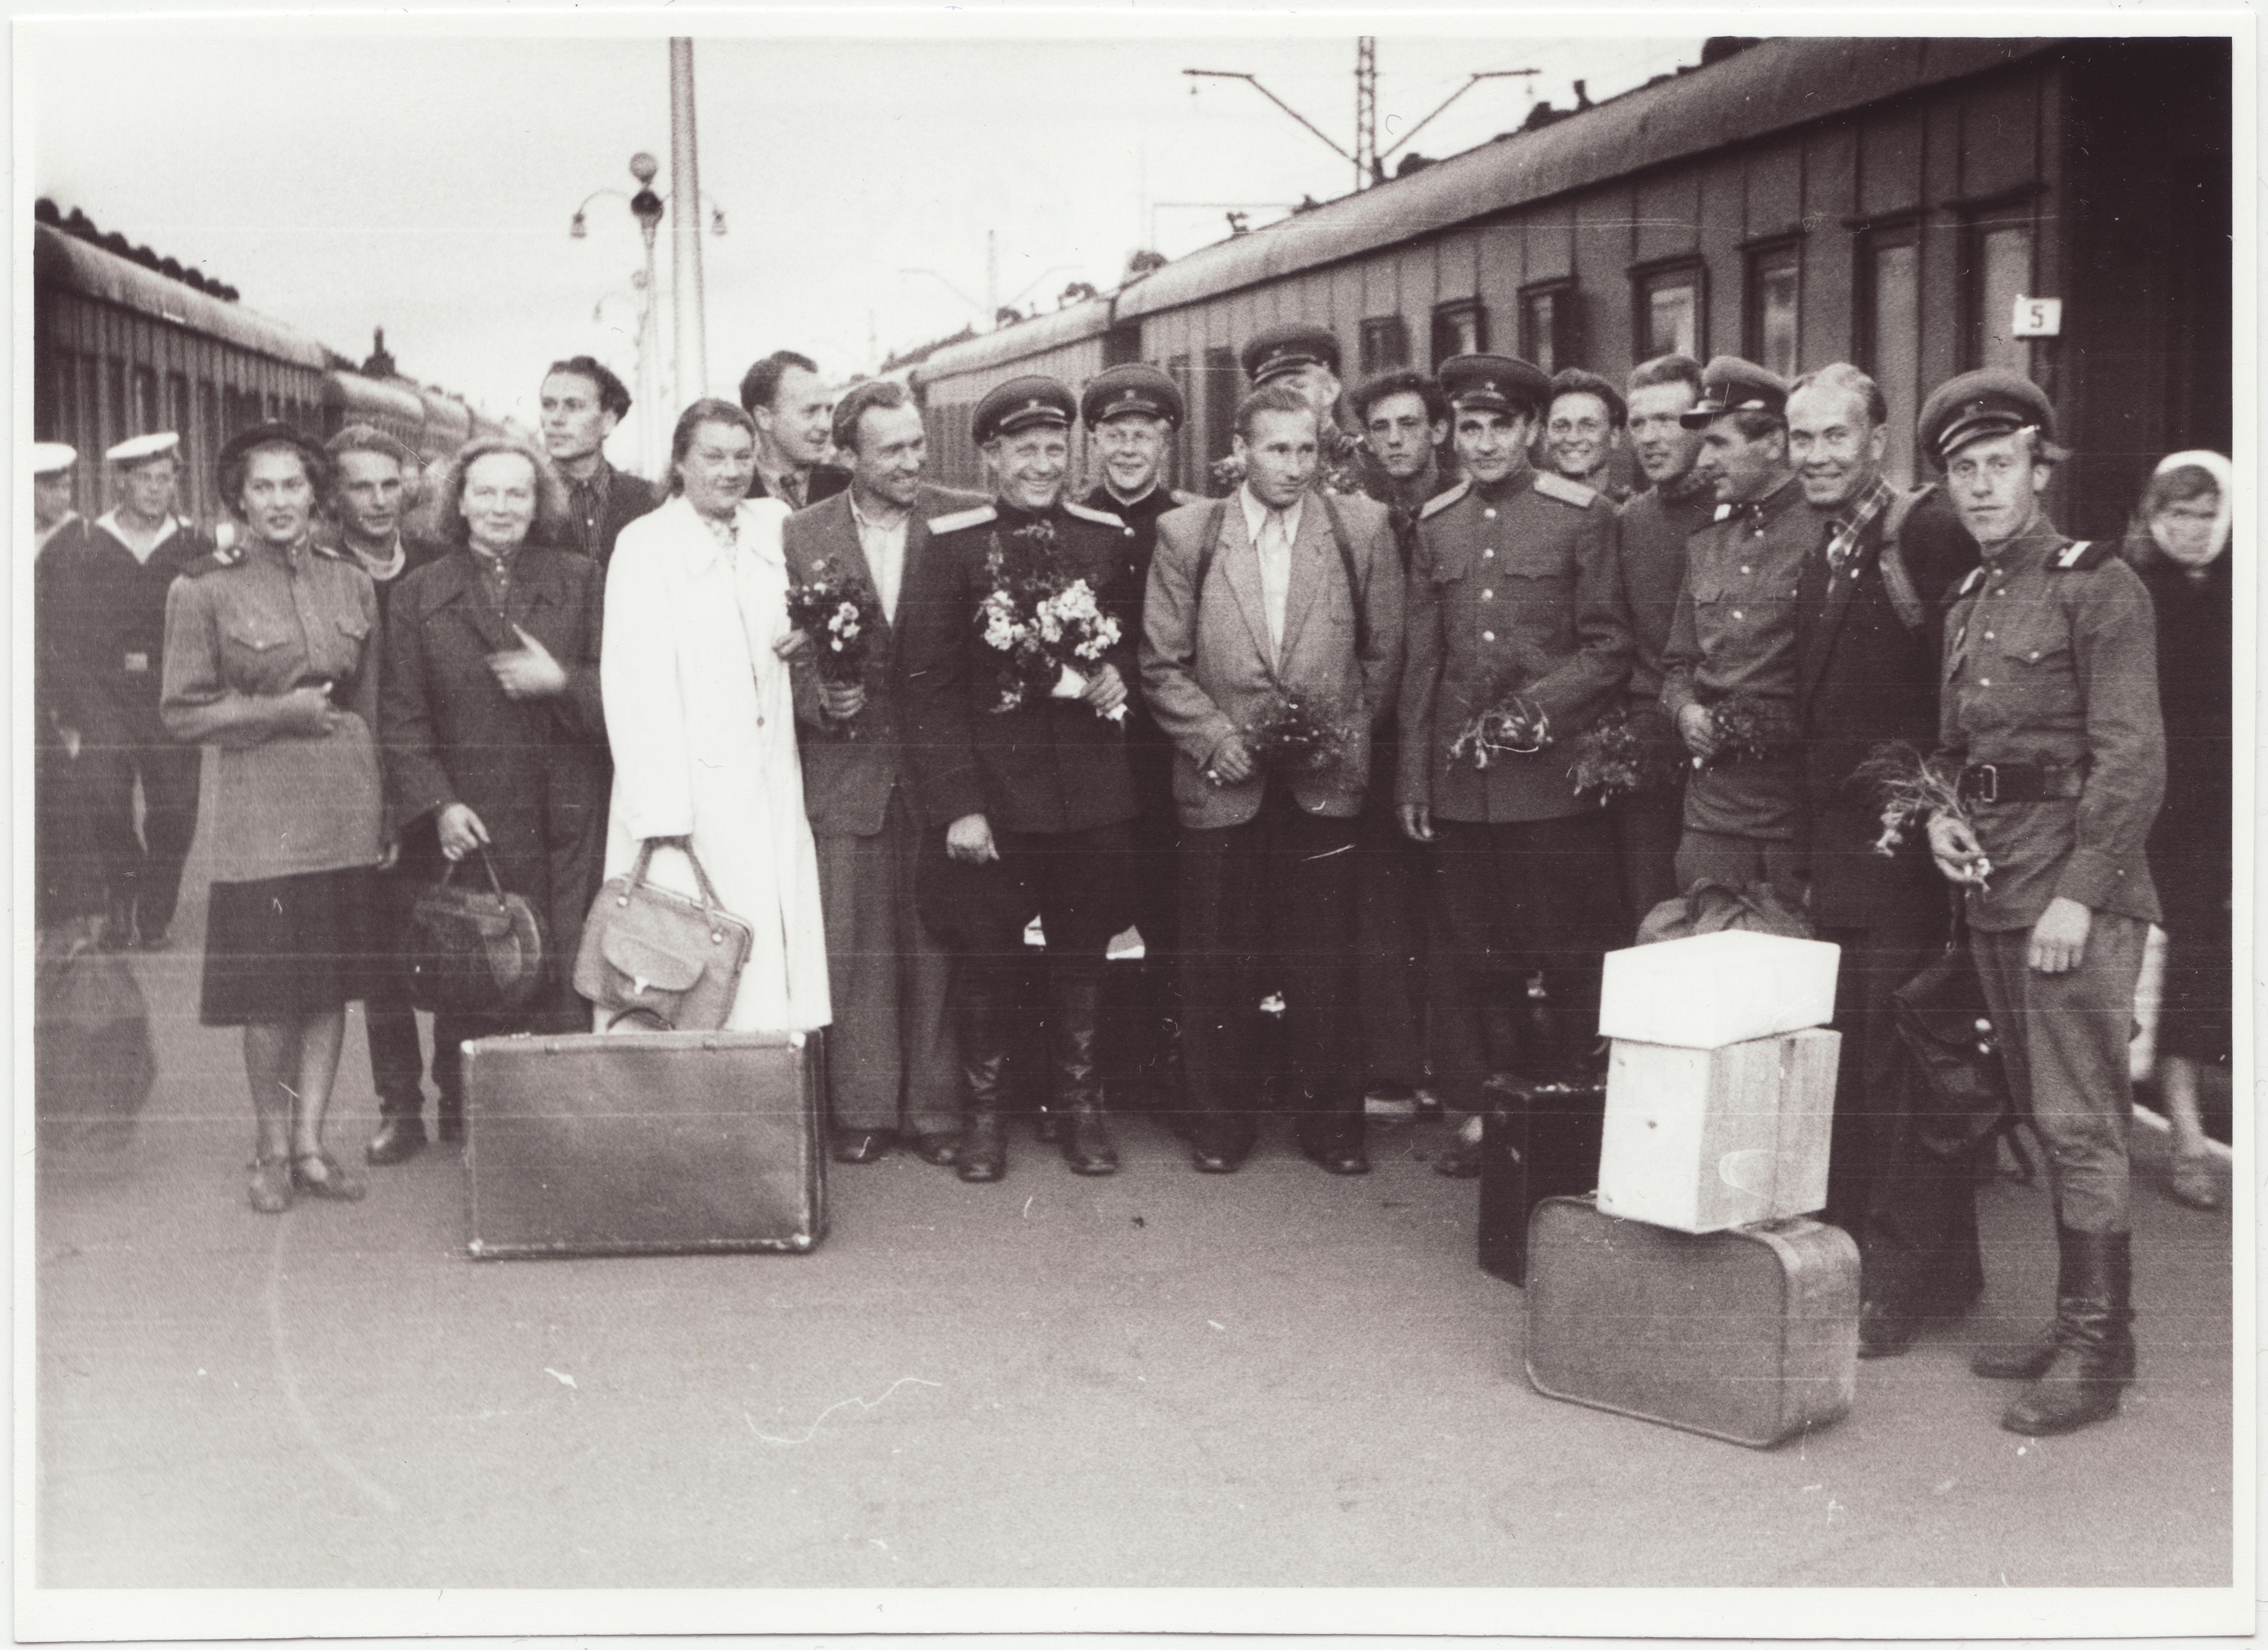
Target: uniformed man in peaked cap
<point x="1729" y="672"/>
<point x="1512" y="608"/>
<point x="1027" y="798"/>
<point x="1131" y="412"/>
<point x="110" y="599"/>
<point x="1305" y="357"/>
<point x="2050" y="705"/>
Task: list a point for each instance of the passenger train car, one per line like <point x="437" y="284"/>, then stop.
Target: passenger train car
<point x="121" y="349"/>
<point x="1795" y="201"/>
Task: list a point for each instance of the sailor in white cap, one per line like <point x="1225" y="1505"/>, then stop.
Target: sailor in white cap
<point x="110" y="613"/>
<point x="53" y="468"/>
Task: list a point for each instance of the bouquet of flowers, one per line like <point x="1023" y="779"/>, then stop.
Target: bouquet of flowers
<point x="1048" y="630"/>
<point x="1296" y="735"/>
<point x="838" y="614"/>
<point x="1908" y="787"/>
<point x="1625" y="751"/>
<point x="1750" y="730"/>
<point x="1516" y="726"/>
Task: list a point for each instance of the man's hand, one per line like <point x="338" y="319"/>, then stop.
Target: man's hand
<point x="461" y="831"/>
<point x="1698" y="729"/>
<point x="1959" y="855"/>
<point x="794" y="643"/>
<point x="308" y="710"/>
<point x="970" y="840"/>
<point x="528" y="672"/>
<point x="1232" y="762"/>
<point x="1105" y="689"/>
<point x="2060" y="937"/>
<point x="1416" y="821"/>
<point x="842" y="700"/>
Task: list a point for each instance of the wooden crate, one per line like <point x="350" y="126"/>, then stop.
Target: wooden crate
<point x="1710" y="990"/>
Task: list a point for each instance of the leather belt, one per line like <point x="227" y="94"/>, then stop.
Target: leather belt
<point x="1987" y="783"/>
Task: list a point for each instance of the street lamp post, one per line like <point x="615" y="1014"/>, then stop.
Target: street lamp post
<point x="648" y="208"/>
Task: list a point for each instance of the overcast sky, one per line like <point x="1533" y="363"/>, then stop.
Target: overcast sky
<point x="343" y="179"/>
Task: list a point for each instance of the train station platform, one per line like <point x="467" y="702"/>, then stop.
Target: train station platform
<point x="1163" y="1379"/>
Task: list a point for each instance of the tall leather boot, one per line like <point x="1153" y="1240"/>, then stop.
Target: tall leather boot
<point x="984" y="1063"/>
<point x="1074" y="1025"/>
<point x="2092" y="1360"/>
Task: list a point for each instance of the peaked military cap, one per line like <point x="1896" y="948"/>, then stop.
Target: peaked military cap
<point x="1496" y="383"/>
<point x="1729" y="384"/>
<point x="1574" y="380"/>
<point x="1022" y="404"/>
<point x="1989" y="402"/>
<point x="139" y="449"/>
<point x="52" y="458"/>
<point x="1134" y="387"/>
<point x="1287" y="348"/>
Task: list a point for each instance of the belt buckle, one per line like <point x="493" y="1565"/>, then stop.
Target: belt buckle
<point x="1988" y="788"/>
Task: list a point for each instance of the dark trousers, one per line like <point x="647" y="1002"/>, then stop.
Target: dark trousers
<point x="1270" y="903"/>
<point x="891" y="1059"/>
<point x="1153" y="873"/>
<point x="1391" y="945"/>
<point x="397" y="1057"/>
<point x="1518" y="906"/>
<point x="1738" y="861"/>
<point x="1870" y="1077"/>
<point x="1646" y="826"/>
<point x="2063" y="1039"/>
<point x="142" y="869"/>
<point x="66" y="869"/>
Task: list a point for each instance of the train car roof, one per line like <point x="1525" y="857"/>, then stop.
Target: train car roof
<point x="1090" y="318"/>
<point x="352" y="389"/>
<point x="67" y="263"/>
<point x="1768" y="88"/>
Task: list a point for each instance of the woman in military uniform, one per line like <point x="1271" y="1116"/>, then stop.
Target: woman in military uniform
<point x="271" y="654"/>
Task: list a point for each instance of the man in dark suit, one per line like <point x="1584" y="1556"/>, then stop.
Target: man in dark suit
<point x="1869" y="599"/>
<point x="892" y="1072"/>
<point x="794" y="418"/>
<point x="1027" y="798"/>
<point x="582" y="401"/>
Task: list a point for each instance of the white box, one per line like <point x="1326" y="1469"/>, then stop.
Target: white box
<point x="1700" y="1139"/>
<point x="1715" y="989"/>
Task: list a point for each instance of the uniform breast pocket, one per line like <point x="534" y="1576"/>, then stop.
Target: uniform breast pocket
<point x="257" y="656"/>
<point x="2042" y="670"/>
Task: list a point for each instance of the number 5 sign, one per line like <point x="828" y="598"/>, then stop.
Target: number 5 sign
<point x="2037" y="318"/>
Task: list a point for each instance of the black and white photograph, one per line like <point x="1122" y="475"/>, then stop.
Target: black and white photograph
<point x="979" y="819"/>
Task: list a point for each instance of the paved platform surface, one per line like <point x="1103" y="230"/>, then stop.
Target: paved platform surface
<point x="1272" y="1379"/>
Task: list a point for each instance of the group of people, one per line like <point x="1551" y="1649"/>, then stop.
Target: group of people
<point x="1396" y="740"/>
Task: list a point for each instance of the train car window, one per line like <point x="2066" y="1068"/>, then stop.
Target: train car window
<point x="1888" y="343"/>
<point x="1221" y="384"/>
<point x="1385" y="344"/>
<point x="51" y="394"/>
<point x="147" y="414"/>
<point x="1666" y="315"/>
<point x="119" y="426"/>
<point x="1775" y="290"/>
<point x="1547" y="325"/>
<point x="1459" y="328"/>
<point x="1185" y="460"/>
<point x="1997" y="271"/>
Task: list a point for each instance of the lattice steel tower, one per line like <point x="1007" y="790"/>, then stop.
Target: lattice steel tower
<point x="1365" y="111"/>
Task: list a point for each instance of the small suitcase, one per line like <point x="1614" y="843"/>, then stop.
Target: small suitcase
<point x="638" y="1143"/>
<point x="1536" y="1142"/>
<point x="1750" y="1335"/>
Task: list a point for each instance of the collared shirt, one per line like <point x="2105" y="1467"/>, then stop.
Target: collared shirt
<point x="1273" y="533"/>
<point x="108" y="522"/>
<point x="789" y="486"/>
<point x="885" y="545"/>
<point x="1849" y="524"/>
<point x="586" y="502"/>
<point x="495" y="573"/>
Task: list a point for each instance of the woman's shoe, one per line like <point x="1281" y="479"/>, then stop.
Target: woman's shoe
<point x="2195" y="1181"/>
<point x="334" y="1182"/>
<point x="271" y="1185"/>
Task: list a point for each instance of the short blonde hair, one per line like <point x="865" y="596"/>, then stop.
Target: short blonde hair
<point x="550" y="525"/>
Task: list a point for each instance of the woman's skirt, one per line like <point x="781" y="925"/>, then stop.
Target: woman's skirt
<point x="288" y="948"/>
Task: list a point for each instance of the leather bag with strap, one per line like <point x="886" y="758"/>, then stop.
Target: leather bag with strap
<point x="472" y="951"/>
<point x="656" y="959"/>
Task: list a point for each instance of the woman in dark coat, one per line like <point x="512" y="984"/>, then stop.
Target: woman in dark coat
<point x="490" y="719"/>
<point x="2180" y="545"/>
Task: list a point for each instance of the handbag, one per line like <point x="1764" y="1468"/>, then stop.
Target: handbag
<point x="1958" y="1093"/>
<point x="654" y="954"/>
<point x="469" y="952"/>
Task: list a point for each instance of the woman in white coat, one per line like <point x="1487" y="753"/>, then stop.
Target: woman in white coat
<point x="699" y="716"/>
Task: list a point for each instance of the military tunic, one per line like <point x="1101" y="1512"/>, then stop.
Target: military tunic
<point x="2051" y="667"/>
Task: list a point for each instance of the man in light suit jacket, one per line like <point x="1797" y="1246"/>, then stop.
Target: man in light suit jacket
<point x="892" y="1072"/>
<point x="1280" y="594"/>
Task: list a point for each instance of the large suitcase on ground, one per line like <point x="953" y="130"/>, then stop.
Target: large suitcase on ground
<point x="644" y="1142"/>
<point x="1537" y="1141"/>
<point x="1750" y="1335"/>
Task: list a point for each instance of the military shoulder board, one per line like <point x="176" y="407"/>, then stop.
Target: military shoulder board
<point x="1565" y="492"/>
<point x="1968" y="586"/>
<point x="1439" y="502"/>
<point x="224" y="558"/>
<point x="335" y="552"/>
<point x="1100" y="518"/>
<point x="959" y="518"/>
<point x="2081" y="557"/>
